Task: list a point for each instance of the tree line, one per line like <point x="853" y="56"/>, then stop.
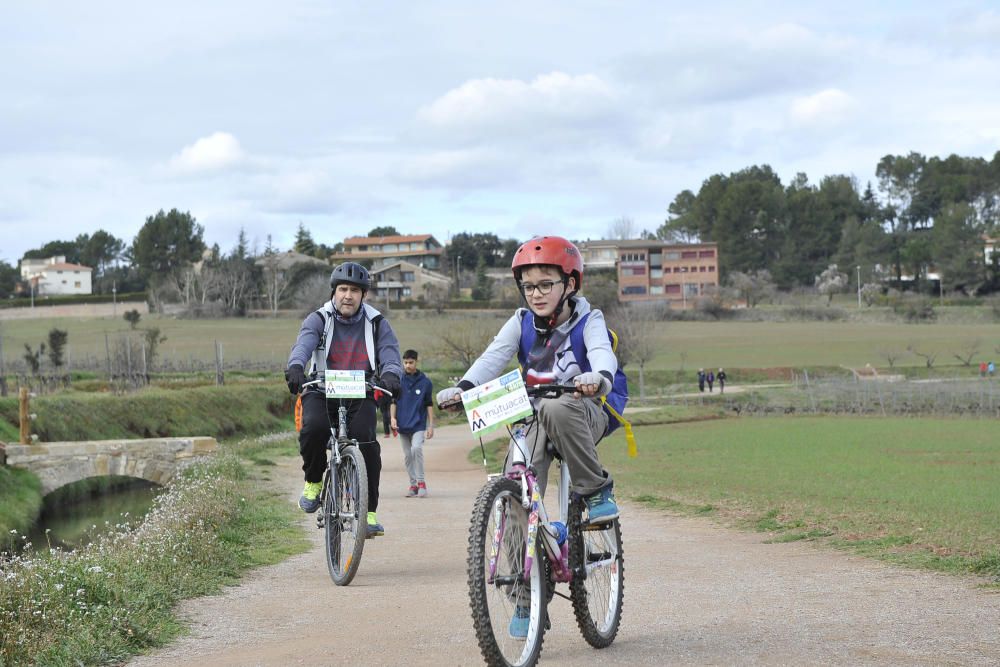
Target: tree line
<point x="928" y="214"/>
<point x="925" y="214"/>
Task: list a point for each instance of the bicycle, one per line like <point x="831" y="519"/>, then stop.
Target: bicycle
<point x="344" y="497"/>
<point x="508" y="574"/>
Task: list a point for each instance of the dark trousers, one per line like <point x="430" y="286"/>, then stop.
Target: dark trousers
<point x="318" y="414"/>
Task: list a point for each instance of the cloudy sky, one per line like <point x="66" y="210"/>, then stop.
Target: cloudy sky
<point x="518" y="118"/>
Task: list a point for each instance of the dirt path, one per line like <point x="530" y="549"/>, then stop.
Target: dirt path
<point x="695" y="593"/>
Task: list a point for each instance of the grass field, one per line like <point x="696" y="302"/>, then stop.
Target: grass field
<point x="922" y="492"/>
<point x="686" y="345"/>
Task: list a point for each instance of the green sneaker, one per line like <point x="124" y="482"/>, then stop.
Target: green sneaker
<point x="374" y="527"/>
<point x="309" y="500"/>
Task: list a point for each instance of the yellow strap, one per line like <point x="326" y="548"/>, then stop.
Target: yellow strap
<point x="629" y="435"/>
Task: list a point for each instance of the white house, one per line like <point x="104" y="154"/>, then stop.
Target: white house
<point x="54" y="275"/>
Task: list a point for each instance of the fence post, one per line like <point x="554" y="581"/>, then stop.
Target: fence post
<point x="23" y="418"/>
<point x="812" y="401"/>
<point x="3" y="371"/>
<point x="220" y="378"/>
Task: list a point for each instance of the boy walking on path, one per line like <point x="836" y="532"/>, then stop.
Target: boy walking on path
<point x="412" y="415"/>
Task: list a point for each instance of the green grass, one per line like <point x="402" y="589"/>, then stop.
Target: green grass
<point x="210" y="411"/>
<point x="116" y="597"/>
<point x="686" y="345"/>
<point x="20" y="499"/>
<point x="922" y="492"/>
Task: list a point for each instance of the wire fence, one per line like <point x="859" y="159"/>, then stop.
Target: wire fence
<point x="979" y="397"/>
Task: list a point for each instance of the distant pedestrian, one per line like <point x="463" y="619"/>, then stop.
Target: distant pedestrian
<point x="413" y="419"/>
<point x="710" y="378"/>
<point x="991" y="369"/>
<point x="701" y="379"/>
<point x="982" y="369"/>
<point x="721" y="377"/>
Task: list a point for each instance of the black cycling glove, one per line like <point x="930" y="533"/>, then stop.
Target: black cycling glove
<point x="390" y="382"/>
<point x="295" y="378"/>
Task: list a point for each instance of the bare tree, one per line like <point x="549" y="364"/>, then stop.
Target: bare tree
<point x="754" y="287"/>
<point x="928" y="357"/>
<point x="622" y="228"/>
<point x="891" y="355"/>
<point x="462" y="341"/>
<point x="636" y="328"/>
<point x="968" y="351"/>
<point x="435" y="296"/>
<point x="830" y="282"/>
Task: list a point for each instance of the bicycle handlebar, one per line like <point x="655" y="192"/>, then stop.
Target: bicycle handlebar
<point x="534" y="391"/>
<point x="370" y="385"/>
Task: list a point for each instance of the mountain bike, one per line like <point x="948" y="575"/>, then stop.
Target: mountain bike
<point x="509" y="574"/>
<point x="344" y="496"/>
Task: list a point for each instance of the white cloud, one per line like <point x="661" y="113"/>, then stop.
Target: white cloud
<point x="490" y="102"/>
<point x="214" y="152"/>
<point x="827" y="107"/>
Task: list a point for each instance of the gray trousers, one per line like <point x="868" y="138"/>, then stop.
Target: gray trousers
<point x="413" y="453"/>
<point x="574" y="426"/>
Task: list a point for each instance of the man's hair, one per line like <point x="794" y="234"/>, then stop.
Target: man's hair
<point x="410" y="354"/>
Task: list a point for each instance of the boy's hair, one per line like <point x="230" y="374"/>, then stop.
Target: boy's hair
<point x="410" y="354"/>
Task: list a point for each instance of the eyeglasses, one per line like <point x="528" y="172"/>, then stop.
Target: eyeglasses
<point x="543" y="287"/>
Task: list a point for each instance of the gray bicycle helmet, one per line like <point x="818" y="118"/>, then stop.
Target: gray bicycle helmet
<point x="351" y="273"/>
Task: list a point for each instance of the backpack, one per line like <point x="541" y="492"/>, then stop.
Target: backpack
<point x="615" y="400"/>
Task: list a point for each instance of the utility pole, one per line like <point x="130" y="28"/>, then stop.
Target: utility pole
<point x="859" y="286"/>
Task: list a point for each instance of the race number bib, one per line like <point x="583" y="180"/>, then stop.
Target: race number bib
<point x="496" y="403"/>
<point x="345" y="384"/>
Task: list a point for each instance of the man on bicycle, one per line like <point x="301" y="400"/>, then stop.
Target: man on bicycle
<point x="344" y="334"/>
<point x="549" y="272"/>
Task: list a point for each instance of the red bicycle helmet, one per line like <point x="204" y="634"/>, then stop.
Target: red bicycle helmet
<point x="552" y="251"/>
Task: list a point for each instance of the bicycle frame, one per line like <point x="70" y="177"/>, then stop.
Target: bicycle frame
<point x="531" y="500"/>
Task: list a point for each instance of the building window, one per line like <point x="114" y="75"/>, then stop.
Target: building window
<point x="706" y="253"/>
<point x="77" y="284"/>
<point x="634" y="257"/>
<point x="672" y="256"/>
<point x="689" y="254"/>
<point x="63" y="282"/>
<point x="656" y="273"/>
<point x="408" y="277"/>
<point x="656" y="289"/>
<point x="362" y="248"/>
<point x="702" y="269"/>
<point x="406" y="291"/>
<point x="656" y="259"/>
<point x="390" y="247"/>
<point x="634" y="271"/>
<point x="673" y="289"/>
<point x="711" y="269"/>
<point x="59" y="272"/>
<point x="634" y="289"/>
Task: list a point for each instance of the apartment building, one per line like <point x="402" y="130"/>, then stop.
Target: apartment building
<point x="420" y="249"/>
<point x="676" y="273"/>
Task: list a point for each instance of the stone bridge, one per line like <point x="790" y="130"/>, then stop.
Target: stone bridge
<point x="60" y="463"/>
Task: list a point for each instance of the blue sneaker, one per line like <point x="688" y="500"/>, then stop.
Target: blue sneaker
<point x="374" y="527"/>
<point x="309" y="500"/>
<point x="601" y="506"/>
<point x="519" y="622"/>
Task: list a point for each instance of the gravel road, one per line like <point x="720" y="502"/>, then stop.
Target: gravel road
<point x="695" y="594"/>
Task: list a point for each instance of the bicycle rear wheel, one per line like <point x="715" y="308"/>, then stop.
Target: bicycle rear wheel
<point x="498" y="586"/>
<point x="598" y="586"/>
<point x="345" y="509"/>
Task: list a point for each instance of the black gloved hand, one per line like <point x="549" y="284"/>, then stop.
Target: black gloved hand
<point x="295" y="378"/>
<point x="391" y="382"/>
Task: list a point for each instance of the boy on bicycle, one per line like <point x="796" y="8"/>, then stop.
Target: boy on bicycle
<point x="345" y="334"/>
<point x="549" y="272"/>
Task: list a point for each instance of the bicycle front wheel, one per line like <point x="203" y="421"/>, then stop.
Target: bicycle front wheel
<point x="345" y="510"/>
<point x="598" y="586"/>
<point x="508" y="604"/>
